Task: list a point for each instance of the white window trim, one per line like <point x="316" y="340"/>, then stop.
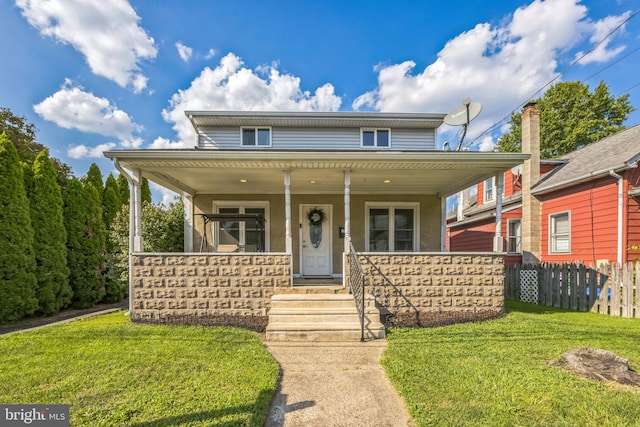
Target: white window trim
<point x="493" y="191"/>
<point x="255" y="128"/>
<point x="375" y="139"/>
<point x="551" y="234"/>
<point x="509" y="222"/>
<point x="393" y="205"/>
<point x="242" y="204"/>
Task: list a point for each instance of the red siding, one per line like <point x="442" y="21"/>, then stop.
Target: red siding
<point x="633" y="216"/>
<point x="593" y="218"/>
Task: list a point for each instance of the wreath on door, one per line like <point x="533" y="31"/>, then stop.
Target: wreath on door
<point x="316" y="217"/>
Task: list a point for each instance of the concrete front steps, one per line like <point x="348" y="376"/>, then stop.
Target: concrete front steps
<point x="321" y="317"/>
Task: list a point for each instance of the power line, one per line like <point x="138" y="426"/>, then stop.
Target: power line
<point x="563" y="72"/>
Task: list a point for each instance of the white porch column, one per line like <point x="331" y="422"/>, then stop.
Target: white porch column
<point x="135" y="200"/>
<point x="187" y="200"/>
<point x="347" y="210"/>
<point x="287" y="212"/>
<point x="443" y="225"/>
<point x="498" y="243"/>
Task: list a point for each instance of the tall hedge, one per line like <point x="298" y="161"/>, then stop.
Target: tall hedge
<point x="123" y="186"/>
<point x="17" y="259"/>
<point x="94" y="176"/>
<point x="50" y="242"/>
<point x="111" y="201"/>
<point x="85" y="243"/>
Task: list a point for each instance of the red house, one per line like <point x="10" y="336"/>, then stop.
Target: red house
<point x="584" y="206"/>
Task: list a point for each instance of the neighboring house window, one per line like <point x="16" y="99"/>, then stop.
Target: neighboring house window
<point x="242" y="236"/>
<point x="256" y="137"/>
<point x="559" y="233"/>
<point x="392" y="228"/>
<point x="375" y="138"/>
<point x="490" y="190"/>
<point x="514" y="236"/>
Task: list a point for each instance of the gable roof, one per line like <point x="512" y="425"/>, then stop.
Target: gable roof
<point x="614" y="153"/>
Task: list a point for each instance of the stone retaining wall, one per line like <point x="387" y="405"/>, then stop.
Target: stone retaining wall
<point x="212" y="289"/>
<point x="435" y="289"/>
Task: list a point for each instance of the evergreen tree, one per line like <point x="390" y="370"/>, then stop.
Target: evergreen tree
<point x="17" y="260"/>
<point x="53" y="289"/>
<point x="145" y="191"/>
<point x="111" y="201"/>
<point x="94" y="176"/>
<point x="85" y="243"/>
<point x="123" y="186"/>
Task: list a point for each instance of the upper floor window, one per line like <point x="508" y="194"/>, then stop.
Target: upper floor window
<point x="375" y="138"/>
<point x="559" y="233"/>
<point x="490" y="190"/>
<point x="256" y="137"/>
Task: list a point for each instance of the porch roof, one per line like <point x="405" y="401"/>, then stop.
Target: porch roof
<point x="194" y="171"/>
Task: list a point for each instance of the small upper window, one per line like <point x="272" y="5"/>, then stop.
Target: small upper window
<point x="490" y="190"/>
<point x="376" y="138"/>
<point x="256" y="137"/>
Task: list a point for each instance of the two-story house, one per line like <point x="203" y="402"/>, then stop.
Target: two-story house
<point x="582" y="207"/>
<point x="274" y="198"/>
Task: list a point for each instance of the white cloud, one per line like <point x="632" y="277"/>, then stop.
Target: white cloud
<point x="210" y="54"/>
<point x="486" y="144"/>
<point x="164" y="143"/>
<point x="601" y="29"/>
<point x="105" y="32"/>
<point x="82" y="151"/>
<point x="232" y="86"/>
<point x="500" y="66"/>
<point x="185" y="52"/>
<point x="73" y="108"/>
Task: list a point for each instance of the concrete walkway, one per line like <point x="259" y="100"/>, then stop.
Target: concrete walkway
<point x="334" y="384"/>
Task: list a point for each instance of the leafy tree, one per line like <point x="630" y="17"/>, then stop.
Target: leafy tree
<point x="85" y="243"/>
<point x="123" y="185"/>
<point x="53" y="289"/>
<point x="162" y="231"/>
<point x="145" y="191"/>
<point x="94" y="176"/>
<point x="23" y="135"/>
<point x="571" y="117"/>
<point x="111" y="200"/>
<point x="17" y="259"/>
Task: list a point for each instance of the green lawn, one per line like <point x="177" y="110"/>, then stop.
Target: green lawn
<point x="115" y="373"/>
<point x="495" y="373"/>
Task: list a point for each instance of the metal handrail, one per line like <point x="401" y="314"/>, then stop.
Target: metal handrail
<point x="356" y="285"/>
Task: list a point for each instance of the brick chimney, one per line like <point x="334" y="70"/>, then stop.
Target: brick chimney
<point x="531" y="208"/>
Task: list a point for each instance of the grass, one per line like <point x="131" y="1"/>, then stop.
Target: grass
<point x="115" y="373"/>
<point x="495" y="373"/>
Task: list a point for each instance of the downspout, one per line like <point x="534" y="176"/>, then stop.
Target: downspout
<point x="620" y="212"/>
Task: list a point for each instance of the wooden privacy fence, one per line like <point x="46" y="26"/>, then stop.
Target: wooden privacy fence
<point x="611" y="289"/>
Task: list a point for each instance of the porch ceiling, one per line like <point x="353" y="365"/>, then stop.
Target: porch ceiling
<point x="315" y="172"/>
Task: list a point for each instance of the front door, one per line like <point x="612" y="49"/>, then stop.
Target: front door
<point x="315" y="240"/>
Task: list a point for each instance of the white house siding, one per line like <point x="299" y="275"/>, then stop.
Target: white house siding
<point x="226" y="138"/>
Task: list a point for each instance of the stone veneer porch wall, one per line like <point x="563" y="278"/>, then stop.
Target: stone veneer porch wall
<point x="435" y="288"/>
<point x="207" y="289"/>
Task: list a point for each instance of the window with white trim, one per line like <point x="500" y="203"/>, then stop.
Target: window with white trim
<point x="256" y="137"/>
<point x="392" y="228"/>
<point x="514" y="236"/>
<point x="490" y="189"/>
<point x="559" y="233"/>
<point x="375" y="138"/>
<point x="241" y="236"/>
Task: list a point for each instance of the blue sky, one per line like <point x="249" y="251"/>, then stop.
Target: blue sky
<point x="119" y="74"/>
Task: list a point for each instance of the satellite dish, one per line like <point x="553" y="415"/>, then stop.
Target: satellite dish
<point x="462" y="116"/>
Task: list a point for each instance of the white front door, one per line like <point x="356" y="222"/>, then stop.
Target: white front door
<point x="315" y="240"/>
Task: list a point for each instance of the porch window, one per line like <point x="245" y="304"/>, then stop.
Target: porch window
<point x="559" y="233"/>
<point x="375" y="138"/>
<point x="256" y="137"/>
<point x="392" y="228"/>
<point x="514" y="236"/>
<point x="241" y="236"/>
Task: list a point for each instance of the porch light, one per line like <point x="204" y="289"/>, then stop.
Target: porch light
<point x="243" y="180"/>
<point x="313" y="181"/>
<point x="387" y="181"/>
